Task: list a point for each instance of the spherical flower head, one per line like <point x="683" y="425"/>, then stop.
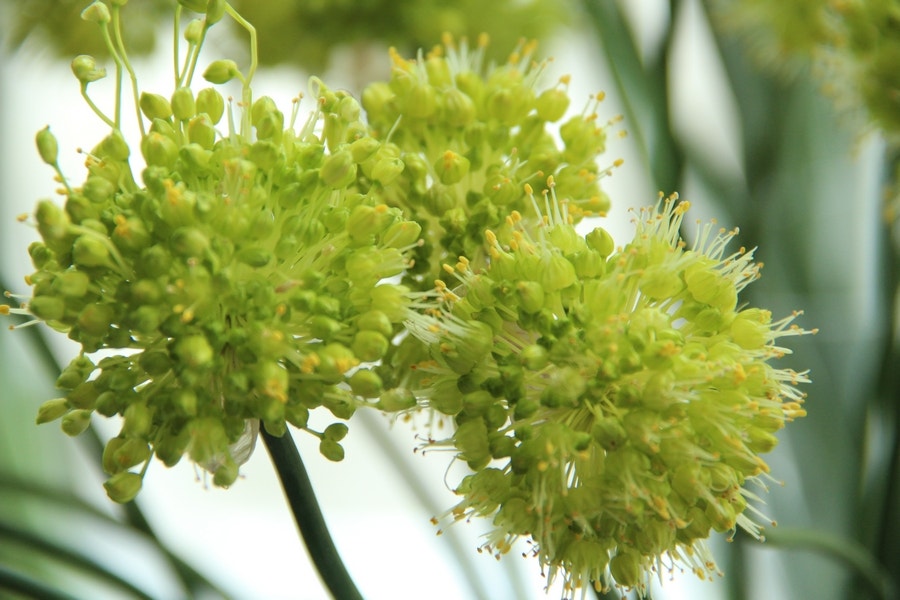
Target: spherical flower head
<point x="241" y="282"/>
<point x="460" y="139"/>
<point x="612" y="405"/>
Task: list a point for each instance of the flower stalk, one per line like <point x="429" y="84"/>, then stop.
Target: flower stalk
<point x="302" y="500"/>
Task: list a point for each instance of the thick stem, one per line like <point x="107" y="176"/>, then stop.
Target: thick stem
<point x="302" y="500"/>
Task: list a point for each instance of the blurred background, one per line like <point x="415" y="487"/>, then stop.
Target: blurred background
<point x="779" y="117"/>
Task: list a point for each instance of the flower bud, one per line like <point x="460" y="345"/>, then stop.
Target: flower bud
<point x="52" y="410"/>
<point x="183" y="105"/>
<point x="126" y="454"/>
<point x="401" y="234"/>
<point x="366" y="220"/>
<point x="155" y="106"/>
<point x="221" y="71"/>
<point x="75" y="373"/>
<point x="48" y="308"/>
<point x="451" y="167"/>
<point x="272" y="380"/>
<point x="123" y="487"/>
<point x="397" y="399"/>
<point x="158" y="150"/>
<point x="113" y="147"/>
<point x="376" y="98"/>
<point x="331" y="450"/>
<point x="370" y="346"/>
<point x="195" y="352"/>
<point x="210" y="101"/>
<point x="89" y="251"/>
<point x="47" y="146"/>
<point x="215" y="10"/>
<point x="193" y="33"/>
<point x="85" y="69"/>
<point x="338" y="170"/>
<point x="76" y="421"/>
<point x="530" y="295"/>
<point x="386" y="170"/>
<point x="552" y="104"/>
<point x="366" y="383"/>
<point x="471" y="438"/>
<point x="364" y="148"/>
<point x="189" y="242"/>
<point x="96" y="12"/>
<point x="335" y="431"/>
<point x="459" y="110"/>
<point x="226" y="474"/>
<point x="195" y="157"/>
<point x="138" y="419"/>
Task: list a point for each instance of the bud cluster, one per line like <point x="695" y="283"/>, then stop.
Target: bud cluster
<point x="470" y="137"/>
<point x="612" y="404"/>
<point x="239" y="282"/>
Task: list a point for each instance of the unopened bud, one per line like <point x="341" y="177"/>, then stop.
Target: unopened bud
<point x="210" y="101"/>
<point x="76" y="421"/>
<point x="85" y="69"/>
<point x="96" y="12"/>
<point x="155" y="106"/>
<point x="47" y="146"/>
<point x="123" y="487"/>
<point x="52" y="410"/>
<point x="221" y="71"/>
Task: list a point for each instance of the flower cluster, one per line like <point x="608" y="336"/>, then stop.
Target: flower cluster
<point x="239" y="283"/>
<point x="469" y="137"/>
<point x="611" y="404"/>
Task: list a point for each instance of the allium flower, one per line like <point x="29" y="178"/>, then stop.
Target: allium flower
<point x="468" y="137"/>
<point x="238" y="283"/>
<point x="612" y="404"/>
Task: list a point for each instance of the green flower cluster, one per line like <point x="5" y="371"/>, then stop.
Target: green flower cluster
<point x="612" y="404"/>
<point x="241" y="280"/>
<point x="469" y="138"/>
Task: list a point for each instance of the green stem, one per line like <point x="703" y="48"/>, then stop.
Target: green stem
<point x="104" y="30"/>
<point x="23" y="585"/>
<point x="117" y="33"/>
<point x="302" y="501"/>
<point x="847" y="551"/>
<point x="96" y="108"/>
<point x="246" y="95"/>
